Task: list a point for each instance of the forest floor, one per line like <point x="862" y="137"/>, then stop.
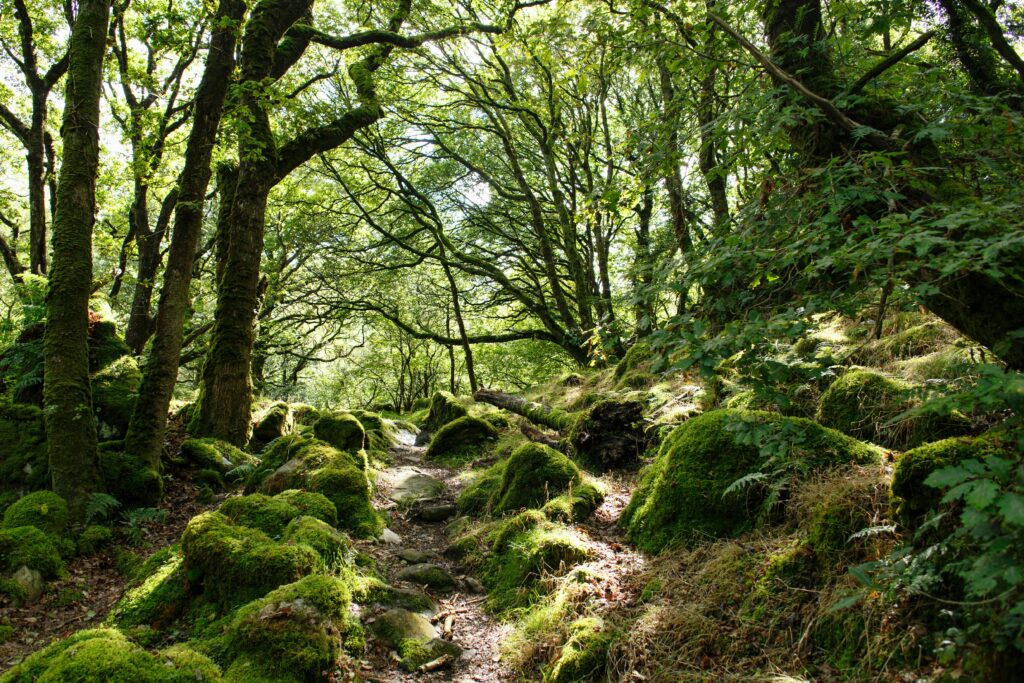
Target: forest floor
<point x="95" y="583"/>
<point x="476" y="631"/>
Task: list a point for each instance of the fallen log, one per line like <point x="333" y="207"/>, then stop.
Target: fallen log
<point x="610" y="434"/>
<point x="534" y="434"/>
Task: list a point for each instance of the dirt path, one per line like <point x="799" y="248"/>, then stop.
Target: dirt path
<point x="476" y="632"/>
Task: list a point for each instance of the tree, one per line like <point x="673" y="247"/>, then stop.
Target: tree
<point x="70" y="424"/>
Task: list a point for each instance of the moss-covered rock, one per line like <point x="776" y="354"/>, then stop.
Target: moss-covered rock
<point x="127" y="478"/>
<point x="23" y="458"/>
<point x="94" y="538"/>
<point x="107" y="655"/>
<point x="533" y="474"/>
<point x="638" y="354"/>
<point x="304" y="414"/>
<point x="158" y="598"/>
<point x="584" y="655"/>
<point x="330" y="544"/>
<point x="523" y="549"/>
<point x="413" y="637"/>
<point x="214" y="454"/>
<point x="341" y="430"/>
<point x="460" y="439"/>
<point x="348" y="489"/>
<point x="27" y="546"/>
<point x="681" y="497"/>
<point x="477" y="495"/>
<point x="293" y="632"/>
<point x="275" y="422"/>
<point x="236" y="564"/>
<point x="115" y="389"/>
<point x="272" y="514"/>
<point x="866" y="405"/>
<point x="576" y="504"/>
<point x="380" y="435"/>
<point x="44" y="510"/>
<point x="444" y="408"/>
<point x="276" y="454"/>
<point x="912" y="499"/>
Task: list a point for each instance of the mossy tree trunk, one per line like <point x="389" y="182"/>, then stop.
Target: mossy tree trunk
<point x="70" y="423"/>
<point x="149" y="420"/>
<point x="535" y="412"/>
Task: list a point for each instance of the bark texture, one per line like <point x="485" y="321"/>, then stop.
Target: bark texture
<point x="149" y="420"/>
<point x="70" y="423"/>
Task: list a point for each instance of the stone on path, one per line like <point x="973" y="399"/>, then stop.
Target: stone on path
<point x="410" y="485"/>
<point x="413" y="637"/>
<point x="390" y="537"/>
<point x="426" y="574"/>
<point x="435" y="513"/>
<point x="413" y="556"/>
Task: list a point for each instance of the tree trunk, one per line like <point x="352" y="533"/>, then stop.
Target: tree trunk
<point x="673" y="182"/>
<point x="225" y="409"/>
<point x="149" y="421"/>
<point x="535" y="412"/>
<point x="70" y="422"/>
<point x="643" y="267"/>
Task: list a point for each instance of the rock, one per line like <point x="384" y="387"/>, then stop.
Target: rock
<point x="427" y="574"/>
<point x="283" y="477"/>
<point x="435" y="513"/>
<point x="410" y="485"/>
<point x="422" y="438"/>
<point x="473" y="585"/>
<point x="390" y="537"/>
<point x="413" y="637"/>
<point x="397" y="625"/>
<point x="31" y="583"/>
<point x="413" y="556"/>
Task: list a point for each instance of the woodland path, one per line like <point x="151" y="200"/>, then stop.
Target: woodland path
<point x="476" y="632"/>
<point x="612" y="564"/>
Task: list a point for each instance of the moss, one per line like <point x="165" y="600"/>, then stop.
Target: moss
<point x="127" y="478"/>
<point x="107" y="655"/>
<point x="584" y="655"/>
<point x="576" y="504"/>
<point x="275" y="422"/>
<point x="277" y="453"/>
<point x="372" y="590"/>
<point x="533" y="474"/>
<point x="413" y="638"/>
<point x="681" y="496"/>
<point x="864" y="404"/>
<point x="23" y="463"/>
<point x="210" y="481"/>
<point x="272" y="514"/>
<point x="497" y="420"/>
<point x="214" y="454"/>
<point x="523" y="549"/>
<point x="637" y="379"/>
<point x="913" y="341"/>
<point x="477" y="495"/>
<point x="44" y="510"/>
<point x="28" y="546"/>
<point x="638" y="353"/>
<point x="341" y="430"/>
<point x="380" y="435"/>
<point x="235" y="564"/>
<point x="330" y="544"/>
<point x="292" y="631"/>
<point x="158" y="599"/>
<point x="94" y="538"/>
<point x="6" y="631"/>
<point x="461" y="439"/>
<point x="304" y="414"/>
<point x="912" y="499"/>
<point x="348" y="489"/>
<point x="114" y="392"/>
<point x="444" y="408"/>
<point x="105" y="345"/>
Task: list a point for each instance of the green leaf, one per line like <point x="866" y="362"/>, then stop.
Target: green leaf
<point x="1011" y="507"/>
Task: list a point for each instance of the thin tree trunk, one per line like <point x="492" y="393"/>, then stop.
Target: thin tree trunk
<point x="673" y="182"/>
<point x="70" y="423"/>
<point x="149" y="421"/>
<point x="643" y="267"/>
